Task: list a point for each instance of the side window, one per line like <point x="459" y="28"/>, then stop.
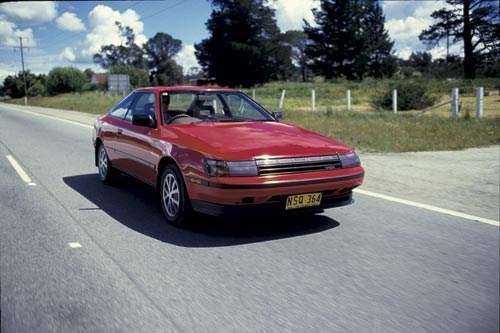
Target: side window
<point x="175" y="103"/>
<point x="120" y="109"/>
<point x="242" y="108"/>
<point x="144" y="104"/>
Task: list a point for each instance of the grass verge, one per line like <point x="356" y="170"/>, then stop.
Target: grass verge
<point x="386" y="132"/>
<point x="364" y="128"/>
<point x="90" y="102"/>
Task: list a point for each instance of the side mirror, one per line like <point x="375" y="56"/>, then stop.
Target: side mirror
<point x="144" y="120"/>
<point x="277" y="115"/>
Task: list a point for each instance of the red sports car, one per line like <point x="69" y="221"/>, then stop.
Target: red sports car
<point x="216" y="151"/>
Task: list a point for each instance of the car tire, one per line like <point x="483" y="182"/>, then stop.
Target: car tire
<point x="107" y="173"/>
<point x="173" y="197"/>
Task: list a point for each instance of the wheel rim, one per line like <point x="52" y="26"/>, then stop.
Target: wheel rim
<point x="103" y="162"/>
<point x="171" y="195"/>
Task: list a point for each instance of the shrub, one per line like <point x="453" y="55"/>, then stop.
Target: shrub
<point x="66" y="79"/>
<point x="412" y="95"/>
<point x="38" y="89"/>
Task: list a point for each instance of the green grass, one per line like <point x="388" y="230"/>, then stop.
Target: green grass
<point x="386" y="132"/>
<point x="90" y="102"/>
<point x="364" y="127"/>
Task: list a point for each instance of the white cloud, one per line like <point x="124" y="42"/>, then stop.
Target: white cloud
<point x="406" y="20"/>
<point x="28" y="12"/>
<point x="399" y="9"/>
<point x="67" y="54"/>
<point x="290" y="13"/>
<point x="9" y="35"/>
<point x="4" y="73"/>
<point x="405" y="31"/>
<point x="71" y="22"/>
<point x="103" y="30"/>
<point x="186" y="58"/>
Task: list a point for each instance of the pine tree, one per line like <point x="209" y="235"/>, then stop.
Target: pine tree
<point x="245" y="46"/>
<point x="350" y="40"/>
<point x="381" y="61"/>
<point x="474" y="22"/>
<point x="297" y="41"/>
<point x="330" y="40"/>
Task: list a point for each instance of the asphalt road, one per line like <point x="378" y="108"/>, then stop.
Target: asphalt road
<point x="375" y="266"/>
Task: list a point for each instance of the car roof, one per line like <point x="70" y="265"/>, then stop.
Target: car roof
<point x="184" y="88"/>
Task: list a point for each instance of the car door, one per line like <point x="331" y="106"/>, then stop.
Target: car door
<point x="112" y="128"/>
<point x="138" y="143"/>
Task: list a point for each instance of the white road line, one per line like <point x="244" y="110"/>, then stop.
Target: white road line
<point x="55" y="118"/>
<point x="75" y="245"/>
<point x="428" y="207"/>
<point x="24" y="176"/>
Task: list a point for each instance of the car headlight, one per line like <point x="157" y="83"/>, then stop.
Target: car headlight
<point x="217" y="168"/>
<point x="349" y="160"/>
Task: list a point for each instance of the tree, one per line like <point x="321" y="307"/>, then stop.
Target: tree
<point x="328" y="49"/>
<point x="476" y="23"/>
<point x="13" y="86"/>
<point x="420" y="61"/>
<point x="129" y="54"/>
<point x="245" y="46"/>
<point x="297" y="41"/>
<point x="66" y="79"/>
<point x="349" y="39"/>
<point x="89" y="72"/>
<point x="160" y="51"/>
<point x="381" y="62"/>
<point x="168" y="72"/>
<point x="37" y="89"/>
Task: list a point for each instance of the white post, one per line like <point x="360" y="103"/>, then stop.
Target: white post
<point x="282" y="99"/>
<point x="454" y="103"/>
<point x="395" y="101"/>
<point x="313" y="100"/>
<point x="479" y="102"/>
<point x="253" y="94"/>
<point x="348" y="100"/>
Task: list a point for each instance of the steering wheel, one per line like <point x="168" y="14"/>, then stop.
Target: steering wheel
<point x="177" y="117"/>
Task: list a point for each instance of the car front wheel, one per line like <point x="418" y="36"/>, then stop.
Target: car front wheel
<point x="173" y="196"/>
<point x="107" y="173"/>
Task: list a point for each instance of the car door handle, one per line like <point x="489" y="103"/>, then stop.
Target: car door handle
<point x="120" y="131"/>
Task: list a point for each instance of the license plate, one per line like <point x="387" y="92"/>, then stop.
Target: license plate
<point x="303" y="200"/>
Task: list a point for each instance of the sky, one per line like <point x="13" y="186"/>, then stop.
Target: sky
<point x="68" y="33"/>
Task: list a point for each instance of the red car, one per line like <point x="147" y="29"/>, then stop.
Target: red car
<point x="216" y="151"/>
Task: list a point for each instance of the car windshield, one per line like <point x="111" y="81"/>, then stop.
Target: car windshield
<point x="216" y="106"/>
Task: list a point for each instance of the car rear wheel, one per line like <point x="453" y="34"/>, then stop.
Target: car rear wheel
<point x="174" y="199"/>
<point x="107" y="173"/>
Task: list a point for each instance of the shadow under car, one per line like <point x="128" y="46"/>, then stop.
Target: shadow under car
<point x="135" y="205"/>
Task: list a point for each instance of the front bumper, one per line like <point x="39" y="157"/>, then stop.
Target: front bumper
<point x="248" y="211"/>
<point x="266" y="196"/>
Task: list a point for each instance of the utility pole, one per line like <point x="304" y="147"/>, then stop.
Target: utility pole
<point x="21" y="47"/>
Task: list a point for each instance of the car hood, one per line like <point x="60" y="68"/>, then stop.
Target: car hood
<point x="246" y="140"/>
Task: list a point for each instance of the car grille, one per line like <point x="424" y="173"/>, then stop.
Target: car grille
<point x="279" y="166"/>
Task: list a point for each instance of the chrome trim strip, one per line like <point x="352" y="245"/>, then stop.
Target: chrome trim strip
<point x="287" y="184"/>
<point x="135" y="158"/>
